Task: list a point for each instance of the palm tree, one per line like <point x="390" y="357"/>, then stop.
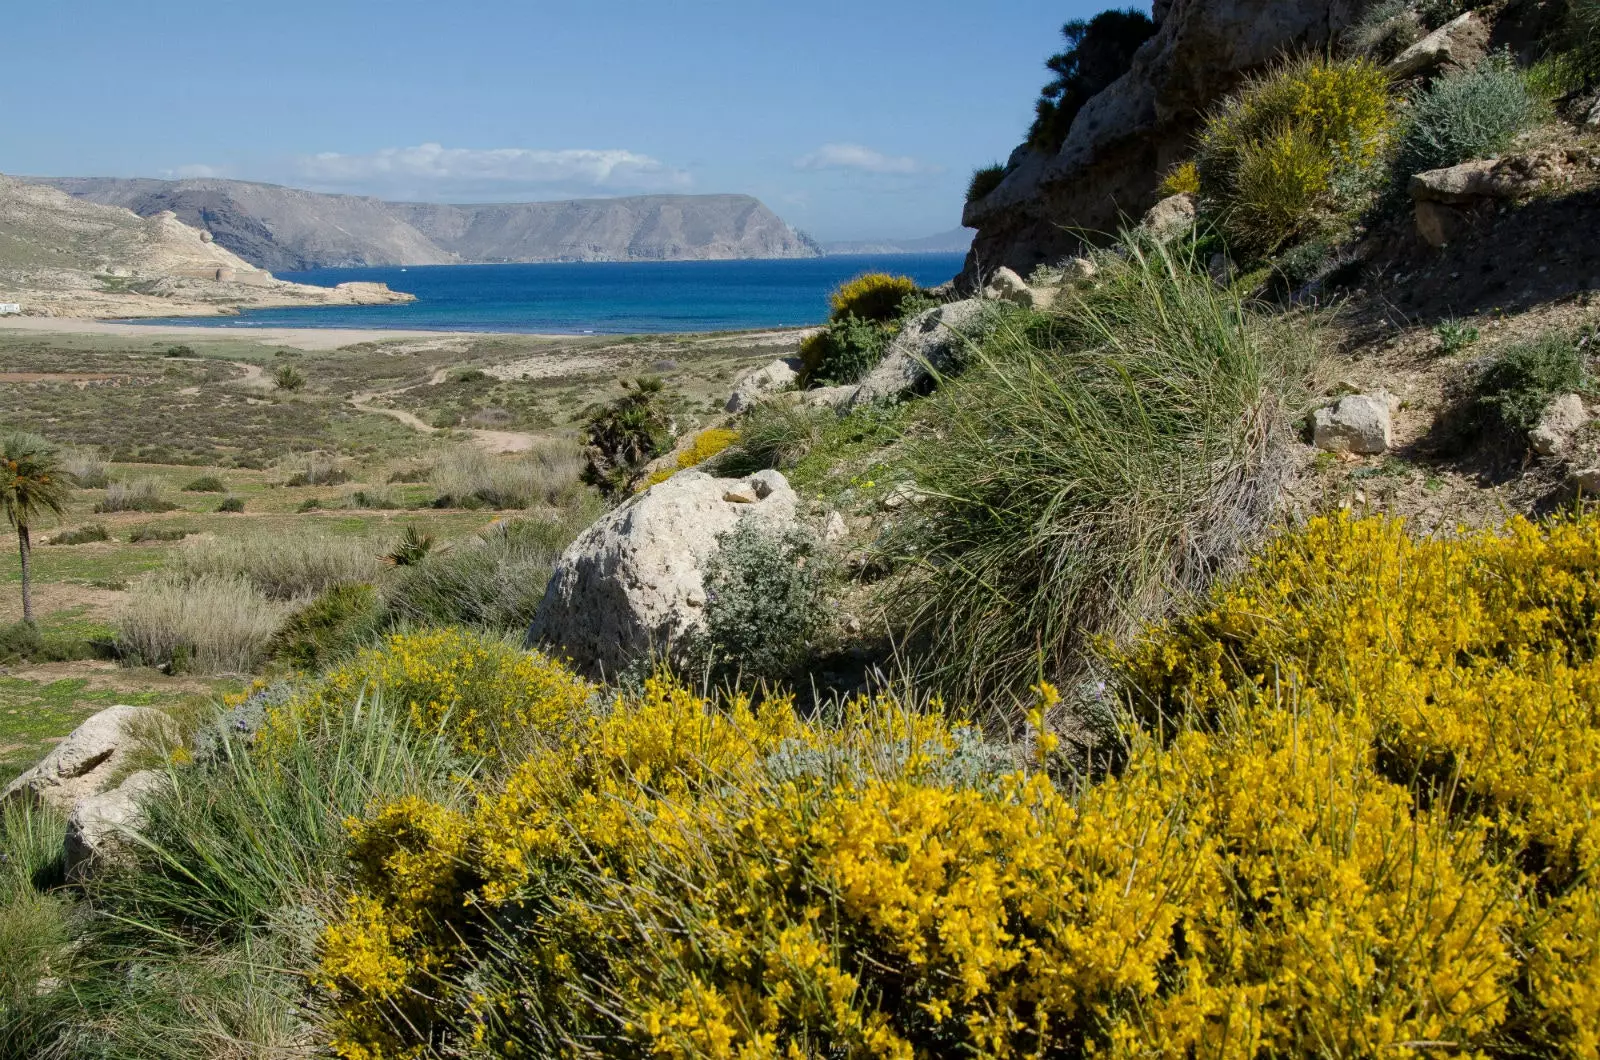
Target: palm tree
<point x="32" y="482"/>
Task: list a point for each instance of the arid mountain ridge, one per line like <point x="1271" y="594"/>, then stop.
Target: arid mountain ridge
<point x="287" y="229"/>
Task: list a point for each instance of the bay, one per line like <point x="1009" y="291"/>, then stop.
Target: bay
<point x="595" y="297"/>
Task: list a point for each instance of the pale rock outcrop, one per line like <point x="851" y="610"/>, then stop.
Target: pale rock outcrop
<point x="1460" y="42"/>
<point x="1358" y="423"/>
<point x="84" y="764"/>
<point x="834" y="528"/>
<point x="1560" y="421"/>
<point x="1127" y="136"/>
<point x="830" y="397"/>
<point x="1006" y="286"/>
<point x="100" y="826"/>
<point x="753" y="386"/>
<point x="635" y="581"/>
<point x="928" y="344"/>
<point x="1445" y="198"/>
<point x="1171" y="218"/>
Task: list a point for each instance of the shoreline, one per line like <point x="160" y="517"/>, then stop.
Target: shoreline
<point x="308" y="339"/>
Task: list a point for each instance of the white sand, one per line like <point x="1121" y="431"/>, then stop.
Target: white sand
<point x="298" y="338"/>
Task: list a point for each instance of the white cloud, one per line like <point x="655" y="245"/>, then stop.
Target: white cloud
<point x="855" y="156"/>
<point x="435" y="166"/>
<point x="188" y="172"/>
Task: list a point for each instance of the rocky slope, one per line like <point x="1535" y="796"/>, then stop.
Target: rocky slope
<point x="286" y="229"/>
<point x="1126" y="137"/>
<point x="60" y="256"/>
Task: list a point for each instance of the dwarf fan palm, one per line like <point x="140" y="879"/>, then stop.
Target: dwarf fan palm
<point x="32" y="482"/>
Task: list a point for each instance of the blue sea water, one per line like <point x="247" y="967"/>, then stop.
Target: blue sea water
<point x="600" y="298"/>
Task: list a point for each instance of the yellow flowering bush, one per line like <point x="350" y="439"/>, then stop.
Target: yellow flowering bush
<point x="1182" y="179"/>
<point x="874" y="296"/>
<point x="476" y="690"/>
<point x="1294" y="150"/>
<point x="707" y="444"/>
<point x="1358" y="821"/>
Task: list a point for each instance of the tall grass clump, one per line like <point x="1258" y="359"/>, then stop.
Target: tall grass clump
<point x="1091" y="465"/>
<point x="984" y="181"/>
<point x="1473" y="114"/>
<point x="1585" y="25"/>
<point x="89" y="469"/>
<point x="318" y="469"/>
<point x="469" y="477"/>
<point x="140" y="495"/>
<point x="494" y="581"/>
<point x="210" y="623"/>
<point x="1295" y="151"/>
<point x="775" y="434"/>
<point x="36" y="929"/>
<point x="283" y="567"/>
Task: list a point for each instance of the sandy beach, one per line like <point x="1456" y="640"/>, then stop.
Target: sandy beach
<point x="297" y="338"/>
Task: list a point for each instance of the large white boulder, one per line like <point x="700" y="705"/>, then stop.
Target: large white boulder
<point x="1560" y="421"/>
<point x="751" y="388"/>
<point x="1006" y="286"/>
<point x="634" y="582"/>
<point x="930" y="342"/>
<point x="100" y="826"/>
<point x="85" y="763"/>
<point x="1358" y="423"/>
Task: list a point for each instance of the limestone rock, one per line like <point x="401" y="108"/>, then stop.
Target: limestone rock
<point x="779" y="375"/>
<point x="1169" y="219"/>
<point x="929" y="343"/>
<point x="834" y="528"/>
<point x="635" y="580"/>
<point x="1439" y="223"/>
<point x="833" y="397"/>
<point x="83" y="764"/>
<point x="1587" y="482"/>
<point x="1358" y="423"/>
<point x="99" y="826"/>
<point x="1506" y="178"/>
<point x="1461" y="42"/>
<point x="1078" y="270"/>
<point x="1006" y="286"/>
<point x="1561" y="419"/>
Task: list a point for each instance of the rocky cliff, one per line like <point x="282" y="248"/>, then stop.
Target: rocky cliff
<point x="287" y="229"/>
<point x="1124" y="139"/>
<point x="60" y="256"/>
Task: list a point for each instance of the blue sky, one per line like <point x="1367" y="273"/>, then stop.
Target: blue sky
<point x="851" y="119"/>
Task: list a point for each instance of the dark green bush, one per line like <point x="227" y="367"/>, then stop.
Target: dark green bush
<point x="206" y="484"/>
<point x="1099" y="50"/>
<point x="1585" y="28"/>
<point x="231" y="505"/>
<point x="1514" y="390"/>
<point x="142" y="534"/>
<point x="626" y="434"/>
<point x="845" y="352"/>
<point x="763" y="603"/>
<point x="1474" y="114"/>
<point x="82" y="535"/>
<point x="984" y="181"/>
<point x="341" y="620"/>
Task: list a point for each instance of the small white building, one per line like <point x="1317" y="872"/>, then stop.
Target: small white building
<point x="10" y="309"/>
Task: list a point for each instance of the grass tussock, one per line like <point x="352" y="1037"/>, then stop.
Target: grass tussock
<point x="140" y="495"/>
<point x="318" y="469"/>
<point x="210" y="623"/>
<point x="283" y="567"/>
<point x="1090" y="467"/>
<point x="470" y="478"/>
<point x="82" y="535"/>
<point x="89" y="468"/>
<point x="775" y="434"/>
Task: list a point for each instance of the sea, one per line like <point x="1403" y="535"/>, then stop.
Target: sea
<point x="601" y="298"/>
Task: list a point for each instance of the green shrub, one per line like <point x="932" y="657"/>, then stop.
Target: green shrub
<point x="763" y="603"/>
<point x="211" y="624"/>
<point x="82" y="535"/>
<point x="1099" y="50"/>
<point x="142" y="534"/>
<point x="494" y="582"/>
<point x="1556" y="77"/>
<point x="872" y="296"/>
<point x="845" y="352"/>
<point x="1514" y="390"/>
<point x="141" y="495"/>
<point x="1295" y="152"/>
<point x="621" y="437"/>
<point x="206" y="484"/>
<point x="288" y="378"/>
<point x="20" y="640"/>
<point x="231" y="505"/>
<point x="341" y="620"/>
<point x="1455" y="335"/>
<point x="984" y="181"/>
<point x="775" y="435"/>
<point x="1088" y="465"/>
<point x="1473" y="114"/>
<point x="1585" y="27"/>
<point x="180" y="351"/>
<point x="413" y="547"/>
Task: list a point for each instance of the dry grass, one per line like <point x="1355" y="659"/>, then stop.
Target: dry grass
<point x="317" y="469"/>
<point x="213" y="624"/>
<point x="140" y="495"/>
<point x="283" y="567"/>
<point x="88" y="468"/>
<point x="467" y="476"/>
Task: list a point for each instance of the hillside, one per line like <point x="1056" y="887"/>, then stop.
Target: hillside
<point x="955" y="241"/>
<point x="60" y="256"/>
<point x="287" y="229"/>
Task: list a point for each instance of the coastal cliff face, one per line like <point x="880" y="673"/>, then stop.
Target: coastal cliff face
<point x="60" y="256"/>
<point x="1125" y="138"/>
<point x="288" y="229"/>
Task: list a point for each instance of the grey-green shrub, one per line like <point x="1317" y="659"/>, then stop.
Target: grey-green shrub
<point x="763" y="602"/>
<point x="1090" y="465"/>
<point x="1517" y="386"/>
<point x="88" y="468"/>
<point x="140" y="495"/>
<point x="209" y="624"/>
<point x="1474" y="114"/>
<point x="284" y="567"/>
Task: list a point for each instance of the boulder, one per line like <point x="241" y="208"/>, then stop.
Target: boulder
<point x="1560" y="421"/>
<point x="1460" y="42"/>
<point x="834" y="528"/>
<point x="930" y="343"/>
<point x="832" y="397"/>
<point x="1358" y="423"/>
<point x="634" y="582"/>
<point x="100" y="826"/>
<point x="1587" y="482"/>
<point x="1006" y="286"/>
<point x="752" y="387"/>
<point x="84" y="764"/>
<point x="1171" y="218"/>
<point x="1471" y="182"/>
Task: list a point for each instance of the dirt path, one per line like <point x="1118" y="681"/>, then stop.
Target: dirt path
<point x="488" y="441"/>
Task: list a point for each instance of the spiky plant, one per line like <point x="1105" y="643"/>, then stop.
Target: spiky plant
<point x="33" y="483"/>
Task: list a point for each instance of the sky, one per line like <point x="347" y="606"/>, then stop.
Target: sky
<point x="853" y="120"/>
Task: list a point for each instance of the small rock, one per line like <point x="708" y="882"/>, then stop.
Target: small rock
<point x="1005" y="285"/>
<point x="1506" y="178"/>
<point x="1078" y="269"/>
<point x="742" y="495"/>
<point x="903" y="494"/>
<point x="766" y="483"/>
<point x="779" y="375"/>
<point x="1461" y="42"/>
<point x="1170" y="218"/>
<point x="852" y="624"/>
<point x="1355" y="424"/>
<point x="1561" y="419"/>
<point x="834" y="528"/>
<point x="1587" y="481"/>
<point x="99" y="826"/>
